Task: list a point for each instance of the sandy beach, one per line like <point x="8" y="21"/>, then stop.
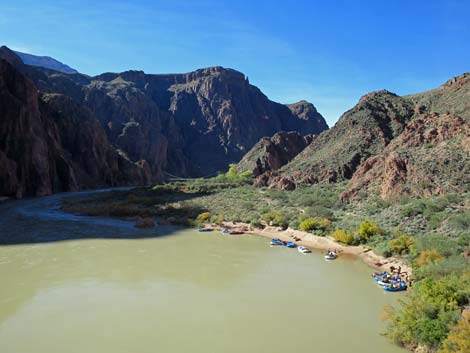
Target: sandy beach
<point x="312" y="241"/>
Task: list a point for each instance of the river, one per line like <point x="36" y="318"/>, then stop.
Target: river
<point x="79" y="284"/>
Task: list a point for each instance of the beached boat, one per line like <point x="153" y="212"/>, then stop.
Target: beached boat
<point x="290" y="244"/>
<point x="203" y="230"/>
<point x="225" y="231"/>
<point x="303" y="249"/>
<point x="379" y="275"/>
<point x="395" y="287"/>
<point x="276" y="241"/>
<point x="236" y="232"/>
<point x="330" y="256"/>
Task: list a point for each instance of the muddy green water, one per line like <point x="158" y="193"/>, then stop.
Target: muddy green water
<point x="77" y="284"/>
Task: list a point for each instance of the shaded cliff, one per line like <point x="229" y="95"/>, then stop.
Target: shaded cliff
<point x="190" y="124"/>
<point x="49" y="144"/>
<point x="205" y="119"/>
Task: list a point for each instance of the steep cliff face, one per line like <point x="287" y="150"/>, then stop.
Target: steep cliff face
<point x="207" y="118"/>
<point x="49" y="144"/>
<point x="191" y="124"/>
<point x="23" y="150"/>
<point x="271" y="153"/>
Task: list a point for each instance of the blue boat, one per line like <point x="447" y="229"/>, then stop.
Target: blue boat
<point x="290" y="244"/>
<point x="276" y="241"/>
<point x="396" y="287"/>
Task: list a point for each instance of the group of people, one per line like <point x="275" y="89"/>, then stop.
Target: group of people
<point x="396" y="275"/>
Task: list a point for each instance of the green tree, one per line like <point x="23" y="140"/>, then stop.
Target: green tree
<point x="343" y="237"/>
<point x="401" y="245"/>
<point x="316" y="223"/>
<point x="232" y="171"/>
<point x="367" y="230"/>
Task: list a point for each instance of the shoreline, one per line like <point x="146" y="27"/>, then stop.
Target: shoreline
<point x="324" y="243"/>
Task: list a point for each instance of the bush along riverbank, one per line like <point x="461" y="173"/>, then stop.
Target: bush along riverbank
<point x="431" y="235"/>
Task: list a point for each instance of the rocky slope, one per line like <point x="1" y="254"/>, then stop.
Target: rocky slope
<point x="271" y="153"/>
<point x="431" y="156"/>
<point x="361" y="132"/>
<point x="391" y="145"/>
<point x="191" y="124"/>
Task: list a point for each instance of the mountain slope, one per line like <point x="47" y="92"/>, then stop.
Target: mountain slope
<point x="46" y="62"/>
<point x="391" y="145"/>
<point x="361" y="132"/>
<point x="431" y="156"/>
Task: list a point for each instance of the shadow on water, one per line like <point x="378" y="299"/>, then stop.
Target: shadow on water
<point x="41" y="220"/>
<point x="65" y="263"/>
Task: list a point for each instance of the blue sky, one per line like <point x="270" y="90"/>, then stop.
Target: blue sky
<point x="330" y="53"/>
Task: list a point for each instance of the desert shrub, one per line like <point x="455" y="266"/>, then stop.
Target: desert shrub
<point x="341" y="236"/>
<point x="319" y="211"/>
<point x="294" y="223"/>
<point x="458" y="340"/>
<point x="401" y="245"/>
<point x="275" y="218"/>
<point x="431" y="256"/>
<point x="413" y="209"/>
<point x="427" y="208"/>
<point x="219" y="219"/>
<point x="317" y="223"/>
<point x="456" y="264"/>
<point x="434" y="220"/>
<point x="204" y="216"/>
<point x="255" y="222"/>
<point x="460" y="221"/>
<point x="382" y="248"/>
<point x="444" y="245"/>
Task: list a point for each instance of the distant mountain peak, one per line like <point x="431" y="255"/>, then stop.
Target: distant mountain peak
<point x="45" y="61"/>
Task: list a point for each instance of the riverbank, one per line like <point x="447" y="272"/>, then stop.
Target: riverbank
<point x="325" y="243"/>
